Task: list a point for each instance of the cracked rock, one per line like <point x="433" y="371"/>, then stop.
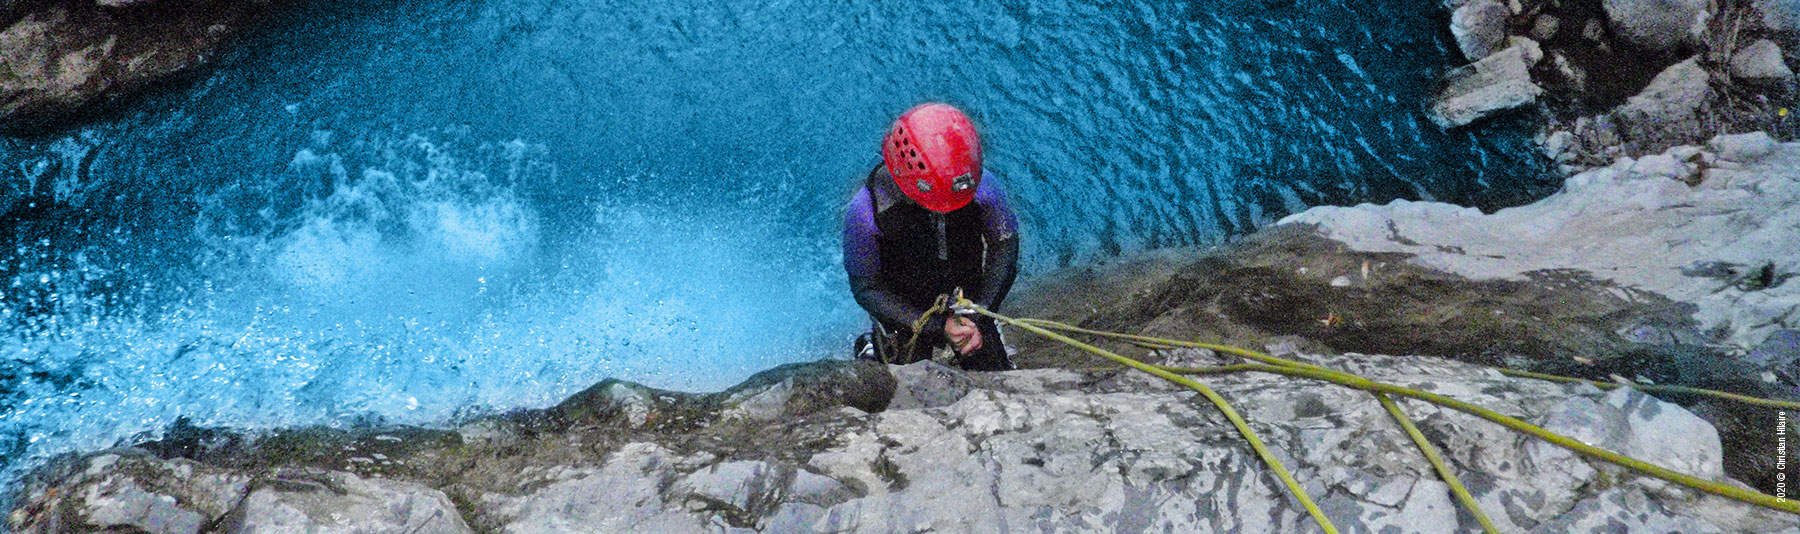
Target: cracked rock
<point x="338" y="502"/>
<point x="1498" y="82"/>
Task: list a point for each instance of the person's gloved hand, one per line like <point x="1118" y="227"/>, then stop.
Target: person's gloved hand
<point x="963" y="334"/>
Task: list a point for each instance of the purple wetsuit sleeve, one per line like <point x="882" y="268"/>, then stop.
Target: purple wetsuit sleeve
<point x="1000" y="231"/>
<point x="862" y="261"/>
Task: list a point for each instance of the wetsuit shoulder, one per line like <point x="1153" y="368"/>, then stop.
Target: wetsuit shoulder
<point x="996" y="209"/>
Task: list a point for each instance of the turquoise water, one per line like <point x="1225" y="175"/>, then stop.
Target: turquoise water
<point x="395" y="213"/>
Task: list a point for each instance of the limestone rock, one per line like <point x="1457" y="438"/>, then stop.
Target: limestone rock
<point x="786" y="391"/>
<point x="1760" y="62"/>
<point x="338" y="502"/>
<point x="1659" y="24"/>
<point x="1479" y="28"/>
<point x="1629" y="422"/>
<point x="1624" y="511"/>
<point x="1743" y="148"/>
<point x="1625" y="226"/>
<point x="1050" y="450"/>
<point x="1673" y="96"/>
<point x="1779" y="354"/>
<point x="120" y="502"/>
<point x="1498" y="82"/>
<point x="802" y="389"/>
<point x="1557" y="145"/>
<point x="130" y="491"/>
<point x="928" y="384"/>
<point x="1779" y="15"/>
<point x="60" y="58"/>
<point x="1053" y="450"/>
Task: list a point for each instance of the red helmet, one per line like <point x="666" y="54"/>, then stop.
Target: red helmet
<point x="935" y="156"/>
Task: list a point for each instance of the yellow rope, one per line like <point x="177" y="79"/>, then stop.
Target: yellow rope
<point x="1708" y="486"/>
<point x="1295" y="368"/>
<point x="941" y="305"/>
<point x="1746" y="399"/>
<point x="1165" y="343"/>
<point x="1431" y="454"/>
<point x="1437" y="462"/>
<point x="1243" y="427"/>
<point x="1171" y="343"/>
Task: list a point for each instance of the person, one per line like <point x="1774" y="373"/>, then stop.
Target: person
<point x="928" y="221"/>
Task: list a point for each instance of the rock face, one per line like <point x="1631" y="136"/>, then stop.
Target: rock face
<point x="61" y="57"/>
<point x="134" y="492"/>
<point x="1707" y="227"/>
<point x="1779" y="354"/>
<point x="1039" y="450"/>
<point x="1659" y="24"/>
<point x="330" y="502"/>
<point x="1779" y="15"/>
<point x="1667" y="112"/>
<point x="1726" y="245"/>
<point x="1479" y="28"/>
<point x="1498" y="82"/>
<point x="1761" y="62"/>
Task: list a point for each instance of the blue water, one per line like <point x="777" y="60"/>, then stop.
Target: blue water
<point x="396" y="213"/>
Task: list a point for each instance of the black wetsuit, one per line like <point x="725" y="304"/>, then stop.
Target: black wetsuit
<point x="901" y="256"/>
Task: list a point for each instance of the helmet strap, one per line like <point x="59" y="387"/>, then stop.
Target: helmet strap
<point x="942" y="241"/>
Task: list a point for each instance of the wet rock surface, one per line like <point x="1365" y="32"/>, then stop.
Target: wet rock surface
<point x="62" y="58"/>
<point x="1043" y="450"/>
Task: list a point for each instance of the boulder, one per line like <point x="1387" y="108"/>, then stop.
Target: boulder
<point x="1480" y="28"/>
<point x="801" y="389"/>
<point x="1673" y="97"/>
<point x="1780" y="15"/>
<point x="1498" y="82"/>
<point x="1659" y="24"/>
<point x="1760" y="62"/>
<point x="1557" y="146"/>
<point x="1744" y="147"/>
